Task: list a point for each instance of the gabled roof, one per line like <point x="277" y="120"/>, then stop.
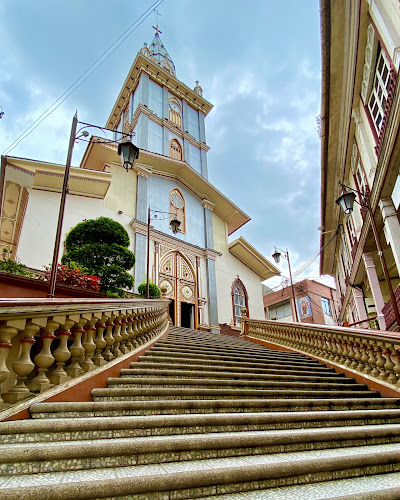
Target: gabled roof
<point x="253" y="259"/>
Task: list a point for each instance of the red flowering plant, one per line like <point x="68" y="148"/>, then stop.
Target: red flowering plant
<point x="73" y="277"/>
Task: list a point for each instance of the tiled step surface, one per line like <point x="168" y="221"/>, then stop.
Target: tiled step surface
<point x="203" y="415"/>
<point x="199" y="478"/>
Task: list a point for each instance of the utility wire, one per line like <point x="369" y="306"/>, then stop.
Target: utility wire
<point x="75" y="84"/>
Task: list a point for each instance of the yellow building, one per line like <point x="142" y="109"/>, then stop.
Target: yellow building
<point x="360" y="148"/>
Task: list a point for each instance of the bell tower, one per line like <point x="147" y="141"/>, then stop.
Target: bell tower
<point x="166" y="116"/>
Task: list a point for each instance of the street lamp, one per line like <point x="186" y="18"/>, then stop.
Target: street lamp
<point x="157" y="215"/>
<point x="277" y="257"/>
<point x="346" y="201"/>
<point x="128" y="151"/>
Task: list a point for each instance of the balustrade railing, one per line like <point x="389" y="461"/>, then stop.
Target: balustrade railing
<point x="375" y="355"/>
<point x="44" y="343"/>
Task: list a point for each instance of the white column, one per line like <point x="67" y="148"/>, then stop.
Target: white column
<point x="375" y="288"/>
<point x="360" y="305"/>
<point x="391" y="228"/>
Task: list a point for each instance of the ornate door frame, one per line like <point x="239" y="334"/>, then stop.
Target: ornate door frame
<point x="177" y="274"/>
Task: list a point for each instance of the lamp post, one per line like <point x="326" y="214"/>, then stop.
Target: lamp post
<point x="128" y="151"/>
<point x="157" y="215"/>
<point x="346" y="202"/>
<point x="277" y="257"/>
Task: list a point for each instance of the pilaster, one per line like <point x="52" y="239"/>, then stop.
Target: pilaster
<point x="140" y="259"/>
<point x="186" y="150"/>
<point x="165" y="141"/>
<point x="391" y="228"/>
<point x="375" y="288"/>
<point x="208" y="223"/>
<point x="360" y="305"/>
<point x="212" y="295"/>
<point x="185" y="116"/>
<point x="165" y="103"/>
<point x="202" y="127"/>
<point x="144" y="89"/>
<point x="204" y="167"/>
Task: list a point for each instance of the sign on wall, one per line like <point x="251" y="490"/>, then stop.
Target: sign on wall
<point x="304" y="306"/>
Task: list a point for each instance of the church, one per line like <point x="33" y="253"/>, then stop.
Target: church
<point x="208" y="279"/>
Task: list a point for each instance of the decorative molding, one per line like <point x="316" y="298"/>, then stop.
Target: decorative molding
<point x="143" y="170"/>
<point x="207" y="204"/>
<point x="354" y="156"/>
<point x="170" y="243"/>
<point x="20" y="169"/>
<point x="368" y="66"/>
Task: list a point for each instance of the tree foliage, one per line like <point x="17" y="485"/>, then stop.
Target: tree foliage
<point x="99" y="246"/>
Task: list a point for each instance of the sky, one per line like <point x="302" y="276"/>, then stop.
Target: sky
<point x="259" y="64"/>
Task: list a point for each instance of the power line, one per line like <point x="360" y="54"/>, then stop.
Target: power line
<point x="81" y="78"/>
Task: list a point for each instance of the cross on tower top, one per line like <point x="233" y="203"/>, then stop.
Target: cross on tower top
<point x="157" y="30"/>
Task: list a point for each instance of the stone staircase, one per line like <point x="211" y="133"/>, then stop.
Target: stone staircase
<point x="205" y="416"/>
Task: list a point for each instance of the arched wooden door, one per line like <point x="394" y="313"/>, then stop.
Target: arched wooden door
<point x="178" y="276"/>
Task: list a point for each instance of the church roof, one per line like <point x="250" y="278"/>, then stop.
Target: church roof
<point x="252" y="258"/>
<point x="158" y="53"/>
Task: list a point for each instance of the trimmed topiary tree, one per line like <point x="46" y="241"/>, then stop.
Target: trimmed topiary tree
<point x="154" y="291"/>
<point x="99" y="247"/>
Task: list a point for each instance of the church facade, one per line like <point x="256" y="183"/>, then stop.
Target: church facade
<point x="207" y="279"/>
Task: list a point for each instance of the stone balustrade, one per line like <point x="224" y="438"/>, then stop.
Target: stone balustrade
<point x="45" y="342"/>
<point x="375" y="355"/>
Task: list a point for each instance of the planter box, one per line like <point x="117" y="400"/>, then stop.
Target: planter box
<point x="14" y="286"/>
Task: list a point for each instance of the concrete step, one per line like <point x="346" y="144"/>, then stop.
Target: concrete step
<point x="147" y="364"/>
<point x="170" y="344"/>
<point x="218" y="361"/>
<point x="61" y="456"/>
<point x="254" y="358"/>
<point x="216" y="383"/>
<point x="141" y="370"/>
<point x="198" y="478"/>
<point x="374" y="487"/>
<point x="211" y="406"/>
<point x="98" y="428"/>
<point x="148" y="393"/>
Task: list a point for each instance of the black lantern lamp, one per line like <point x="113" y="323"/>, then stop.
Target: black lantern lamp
<point x="129" y="153"/>
<point x="175" y="223"/>
<point x="276" y="256"/>
<point x="346" y="201"/>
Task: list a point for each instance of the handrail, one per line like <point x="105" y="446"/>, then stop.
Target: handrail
<point x="374" y="355"/>
<point x="46" y="342"/>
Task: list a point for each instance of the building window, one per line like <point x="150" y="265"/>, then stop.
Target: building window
<point x="177" y="207"/>
<point x="326" y="306"/>
<point x="351" y="232"/>
<point x="175" y="150"/>
<point x="175" y="113"/>
<point x="379" y="92"/>
<point x="281" y="312"/>
<point x="239" y="300"/>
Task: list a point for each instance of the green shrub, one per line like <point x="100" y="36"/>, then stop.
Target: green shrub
<point x="100" y="247"/>
<point x="154" y="291"/>
<point x="8" y="265"/>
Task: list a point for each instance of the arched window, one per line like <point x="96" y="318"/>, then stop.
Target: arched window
<point x="175" y="150"/>
<point x="175" y="113"/>
<point x="239" y="300"/>
<point x="177" y="206"/>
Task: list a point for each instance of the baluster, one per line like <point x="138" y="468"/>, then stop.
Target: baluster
<point x="44" y="359"/>
<point x="7" y="331"/>
<point x="89" y="345"/>
<point x="345" y="351"/>
<point x="130" y="332"/>
<point x="357" y="356"/>
<point x="393" y="363"/>
<point x="107" y="354"/>
<point x="371" y="358"/>
<point x="62" y="354"/>
<point x="99" y="341"/>
<point x="117" y="336"/>
<point x="125" y="336"/>
<point x="380" y="363"/>
<point x="76" y="349"/>
<point x="135" y="328"/>
<point x="339" y="355"/>
<point x="350" y="351"/>
<point x="363" y="364"/>
<point x="387" y="370"/>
